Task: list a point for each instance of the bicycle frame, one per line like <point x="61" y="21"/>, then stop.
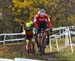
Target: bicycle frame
<point x="42" y="41"/>
<point x="43" y="37"/>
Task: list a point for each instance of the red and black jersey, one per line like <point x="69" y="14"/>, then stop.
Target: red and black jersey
<point x="39" y="21"/>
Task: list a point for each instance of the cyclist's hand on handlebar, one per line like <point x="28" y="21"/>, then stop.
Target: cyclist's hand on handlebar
<point x="48" y="29"/>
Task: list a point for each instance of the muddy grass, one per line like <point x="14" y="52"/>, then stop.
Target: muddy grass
<point x="17" y="50"/>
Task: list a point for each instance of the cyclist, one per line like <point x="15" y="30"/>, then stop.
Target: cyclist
<point x="21" y="29"/>
<point x="29" y="36"/>
<point x="22" y="26"/>
<point x="41" y="20"/>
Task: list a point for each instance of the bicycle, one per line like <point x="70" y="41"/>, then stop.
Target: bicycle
<point x="42" y="41"/>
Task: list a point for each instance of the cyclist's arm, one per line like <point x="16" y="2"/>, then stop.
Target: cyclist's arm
<point x="49" y="23"/>
<point x="35" y="23"/>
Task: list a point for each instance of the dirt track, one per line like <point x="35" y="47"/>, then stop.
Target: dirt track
<point x="18" y="50"/>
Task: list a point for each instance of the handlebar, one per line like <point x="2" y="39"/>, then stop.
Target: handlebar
<point x="48" y="29"/>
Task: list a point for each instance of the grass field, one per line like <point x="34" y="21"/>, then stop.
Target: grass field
<point x="18" y="51"/>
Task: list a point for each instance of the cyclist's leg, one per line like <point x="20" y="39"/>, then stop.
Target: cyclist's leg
<point x="36" y="39"/>
<point x="27" y="46"/>
<point x="39" y="42"/>
<point x="32" y="47"/>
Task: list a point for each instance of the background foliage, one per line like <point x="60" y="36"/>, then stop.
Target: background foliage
<point x="61" y="12"/>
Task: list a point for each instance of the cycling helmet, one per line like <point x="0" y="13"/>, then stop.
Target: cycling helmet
<point x="42" y="12"/>
<point x="29" y="24"/>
